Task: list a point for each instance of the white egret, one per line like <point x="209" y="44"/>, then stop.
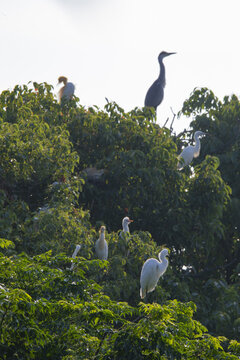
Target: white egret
<point x="78" y="247"/>
<point x="101" y="245"/>
<point x="67" y="91"/>
<point x="125" y="222"/>
<point x="151" y="271"/>
<point x="190" y="152"/>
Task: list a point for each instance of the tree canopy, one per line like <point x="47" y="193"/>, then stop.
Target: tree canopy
<point x="49" y="203"/>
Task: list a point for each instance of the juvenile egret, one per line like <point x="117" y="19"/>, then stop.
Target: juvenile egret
<point x="190" y="152"/>
<point x="125" y="222"/>
<point x="155" y="93"/>
<point x="101" y="245"/>
<point x="78" y="247"/>
<point x="151" y="271"/>
<point x="67" y="90"/>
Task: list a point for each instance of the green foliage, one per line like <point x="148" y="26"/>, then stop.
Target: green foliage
<point x="127" y="253"/>
<point x="56" y="307"/>
<point x="58" y="228"/>
<point x="136" y="155"/>
<point x="52" y="312"/>
<point x="4" y="243"/>
<point x="33" y="154"/>
<point x="220" y="120"/>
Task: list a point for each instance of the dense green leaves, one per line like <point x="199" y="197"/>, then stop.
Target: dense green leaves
<point x="56" y="307"/>
<point x="49" y="311"/>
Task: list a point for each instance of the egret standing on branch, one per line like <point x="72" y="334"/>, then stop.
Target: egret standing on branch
<point x="190" y="152"/>
<point x="125" y="222"/>
<point x="155" y="93"/>
<point x="151" y="271"/>
<point x="101" y="245"/>
<point x="67" y="91"/>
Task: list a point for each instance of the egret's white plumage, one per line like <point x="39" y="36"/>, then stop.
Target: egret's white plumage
<point x="125" y="222"/>
<point x="190" y="152"/>
<point x="101" y="245"/>
<point x="151" y="271"/>
<point x="67" y="90"/>
<point x="78" y="247"/>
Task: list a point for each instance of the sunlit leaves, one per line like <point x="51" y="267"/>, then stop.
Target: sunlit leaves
<point x="55" y="307"/>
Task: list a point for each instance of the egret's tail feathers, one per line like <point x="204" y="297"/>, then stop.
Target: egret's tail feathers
<point x="179" y="166"/>
<point x="142" y="293"/>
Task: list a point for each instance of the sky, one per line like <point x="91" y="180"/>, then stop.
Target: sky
<point x="109" y="48"/>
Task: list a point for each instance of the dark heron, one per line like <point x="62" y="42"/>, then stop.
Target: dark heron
<point x="155" y="93"/>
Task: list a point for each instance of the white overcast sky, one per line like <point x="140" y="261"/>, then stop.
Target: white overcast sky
<point x="109" y="48"/>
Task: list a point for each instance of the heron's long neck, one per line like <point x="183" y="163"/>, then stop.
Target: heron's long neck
<point x="102" y="237"/>
<point x="197" y="144"/>
<point x="76" y="251"/>
<point x="125" y="228"/>
<point x="164" y="261"/>
<point x="161" y="77"/>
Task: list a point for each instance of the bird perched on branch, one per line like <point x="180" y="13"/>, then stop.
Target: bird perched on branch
<point x="125" y="222"/>
<point x="190" y="152"/>
<point x="155" y="93"/>
<point x="67" y="91"/>
<point x="101" y="245"/>
<point x="151" y="271"/>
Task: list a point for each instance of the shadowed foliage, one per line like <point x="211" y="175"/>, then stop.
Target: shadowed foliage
<point x="56" y="307"/>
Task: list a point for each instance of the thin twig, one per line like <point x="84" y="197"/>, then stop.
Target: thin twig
<point x="165" y="122"/>
<point x="174" y="115"/>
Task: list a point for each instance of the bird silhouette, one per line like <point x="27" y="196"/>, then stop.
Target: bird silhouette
<point x="101" y="245"/>
<point x="155" y="93"/>
<point x="66" y="92"/>
<point x="190" y="152"/>
<point x="151" y="271"/>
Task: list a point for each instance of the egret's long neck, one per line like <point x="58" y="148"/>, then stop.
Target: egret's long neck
<point x="125" y="227"/>
<point x="164" y="261"/>
<point x="102" y="237"/>
<point x="161" y="77"/>
<point x="76" y="251"/>
<point x="197" y="146"/>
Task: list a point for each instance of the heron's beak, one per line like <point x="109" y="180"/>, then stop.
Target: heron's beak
<point x="171" y="53"/>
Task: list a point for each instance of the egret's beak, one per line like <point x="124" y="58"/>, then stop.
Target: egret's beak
<point x="130" y="220"/>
